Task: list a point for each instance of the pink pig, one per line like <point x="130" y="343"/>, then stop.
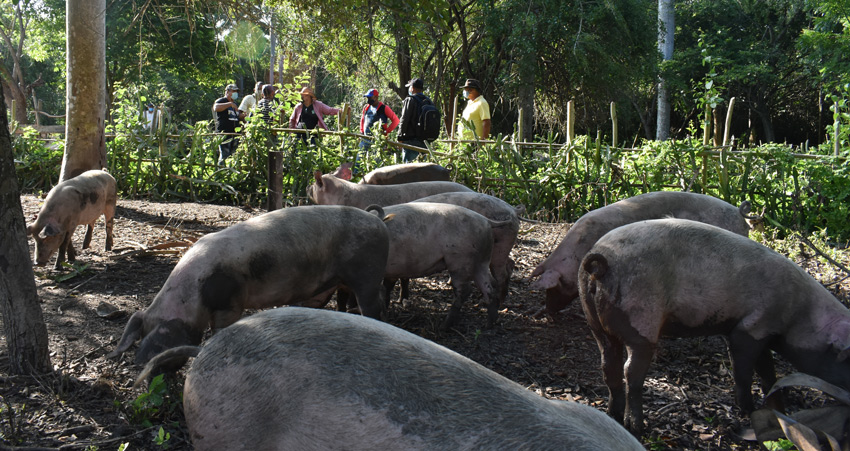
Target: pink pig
<point x="80" y="200"/>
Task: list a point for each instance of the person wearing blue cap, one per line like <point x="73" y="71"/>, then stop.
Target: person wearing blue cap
<point x="374" y="112"/>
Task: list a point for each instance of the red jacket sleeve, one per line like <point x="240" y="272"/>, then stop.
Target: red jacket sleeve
<point x="393" y="120"/>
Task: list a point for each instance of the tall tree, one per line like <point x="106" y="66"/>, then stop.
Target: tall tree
<point x="666" y="29"/>
<point x="85" y="114"/>
<point x="14" y="23"/>
<point x="26" y="333"/>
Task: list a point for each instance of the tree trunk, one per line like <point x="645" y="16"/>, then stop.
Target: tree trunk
<point x="666" y="28"/>
<point x="26" y="334"/>
<point x="85" y="145"/>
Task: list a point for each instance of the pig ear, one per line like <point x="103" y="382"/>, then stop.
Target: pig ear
<point x="167" y="335"/>
<point x="50" y="230"/>
<point x="318" y="176"/>
<point x="132" y="332"/>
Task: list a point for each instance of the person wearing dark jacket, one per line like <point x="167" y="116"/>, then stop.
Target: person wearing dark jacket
<point x="409" y="117"/>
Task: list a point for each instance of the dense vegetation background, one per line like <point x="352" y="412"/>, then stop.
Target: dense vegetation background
<point x="782" y="61"/>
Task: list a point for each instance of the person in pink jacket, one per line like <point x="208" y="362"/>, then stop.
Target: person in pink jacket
<point x="310" y="113"/>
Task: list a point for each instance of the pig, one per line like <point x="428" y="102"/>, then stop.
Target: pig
<point x="282" y="257"/>
<point x="427" y="238"/>
<point x="273" y="380"/>
<point x="398" y="174"/>
<point x="684" y="278"/>
<point x="79" y="200"/>
<point x="557" y="274"/>
<point x="330" y="190"/>
<point x="504" y="238"/>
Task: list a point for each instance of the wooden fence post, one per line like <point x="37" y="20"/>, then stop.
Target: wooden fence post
<point x="836" y="127"/>
<point x="614" y="124"/>
<point x="275" y="181"/>
<point x="453" y="131"/>
<point x="728" y="123"/>
<point x="571" y="121"/>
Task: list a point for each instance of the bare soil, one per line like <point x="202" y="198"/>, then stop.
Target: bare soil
<point x="88" y="400"/>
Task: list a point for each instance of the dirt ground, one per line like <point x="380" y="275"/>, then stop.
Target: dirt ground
<point x="89" y="400"/>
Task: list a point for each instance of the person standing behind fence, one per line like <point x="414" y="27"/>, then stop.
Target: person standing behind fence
<point x="150" y="114"/>
<point x="249" y="102"/>
<point x="266" y="106"/>
<point x="226" y="119"/>
<point x="477" y="112"/>
<point x="309" y="114"/>
<point x="266" y="109"/>
<point x="410" y="131"/>
<point x="374" y="112"/>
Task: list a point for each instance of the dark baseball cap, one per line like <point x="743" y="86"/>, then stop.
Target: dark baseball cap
<point x="416" y="83"/>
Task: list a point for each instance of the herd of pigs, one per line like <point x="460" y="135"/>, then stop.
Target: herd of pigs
<point x="662" y="263"/>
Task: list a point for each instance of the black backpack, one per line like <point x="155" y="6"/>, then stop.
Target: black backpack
<point x="428" y="122"/>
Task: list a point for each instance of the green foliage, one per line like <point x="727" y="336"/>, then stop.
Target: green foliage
<point x="74" y="269"/>
<point x="153" y="405"/>
<point x="162" y="438"/>
<point x="37" y="161"/>
<point x="779" y="445"/>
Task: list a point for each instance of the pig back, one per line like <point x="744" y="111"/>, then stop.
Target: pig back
<point x="698" y="279"/>
<point x="406" y="173"/>
<point x="80" y="200"/>
<point x="280" y="257"/>
<point x="272" y="380"/>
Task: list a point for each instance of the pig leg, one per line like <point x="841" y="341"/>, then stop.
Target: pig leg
<point x="109" y="217"/>
<point x="746" y="353"/>
<point x="87" y="239"/>
<point x="489" y="290"/>
<point x="611" y="350"/>
<point x="68" y="247"/>
<point x="389" y="285"/>
<point x="767" y="372"/>
<point x="405" y="290"/>
<point x="637" y="365"/>
<point x="462" y="288"/>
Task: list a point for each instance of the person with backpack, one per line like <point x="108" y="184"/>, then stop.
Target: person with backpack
<point x="420" y="120"/>
<point x="374" y="112"/>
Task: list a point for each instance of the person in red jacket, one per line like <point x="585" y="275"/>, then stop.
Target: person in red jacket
<point x="374" y="112"/>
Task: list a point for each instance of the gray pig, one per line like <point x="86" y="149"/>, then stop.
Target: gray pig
<point x="330" y="190"/>
<point x="282" y="257"/>
<point x="684" y="278"/>
<point x="398" y="173"/>
<point x="79" y="200"/>
<point x="273" y="380"/>
<point x="558" y="272"/>
<point x="504" y="238"/>
<point x="427" y="238"/>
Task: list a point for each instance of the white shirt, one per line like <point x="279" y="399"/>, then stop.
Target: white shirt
<point x="248" y="103"/>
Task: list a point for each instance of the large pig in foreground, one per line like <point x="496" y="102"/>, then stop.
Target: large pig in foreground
<point x="558" y="272"/>
<point x="399" y="173"/>
<point x="330" y="190"/>
<point x="427" y="238"/>
<point x="79" y="200"/>
<point x="295" y="378"/>
<point x="684" y="278"/>
<point x="282" y="257"/>
<point x="504" y="237"/>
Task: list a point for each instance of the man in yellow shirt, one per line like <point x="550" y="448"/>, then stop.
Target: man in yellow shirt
<point x="477" y="111"/>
